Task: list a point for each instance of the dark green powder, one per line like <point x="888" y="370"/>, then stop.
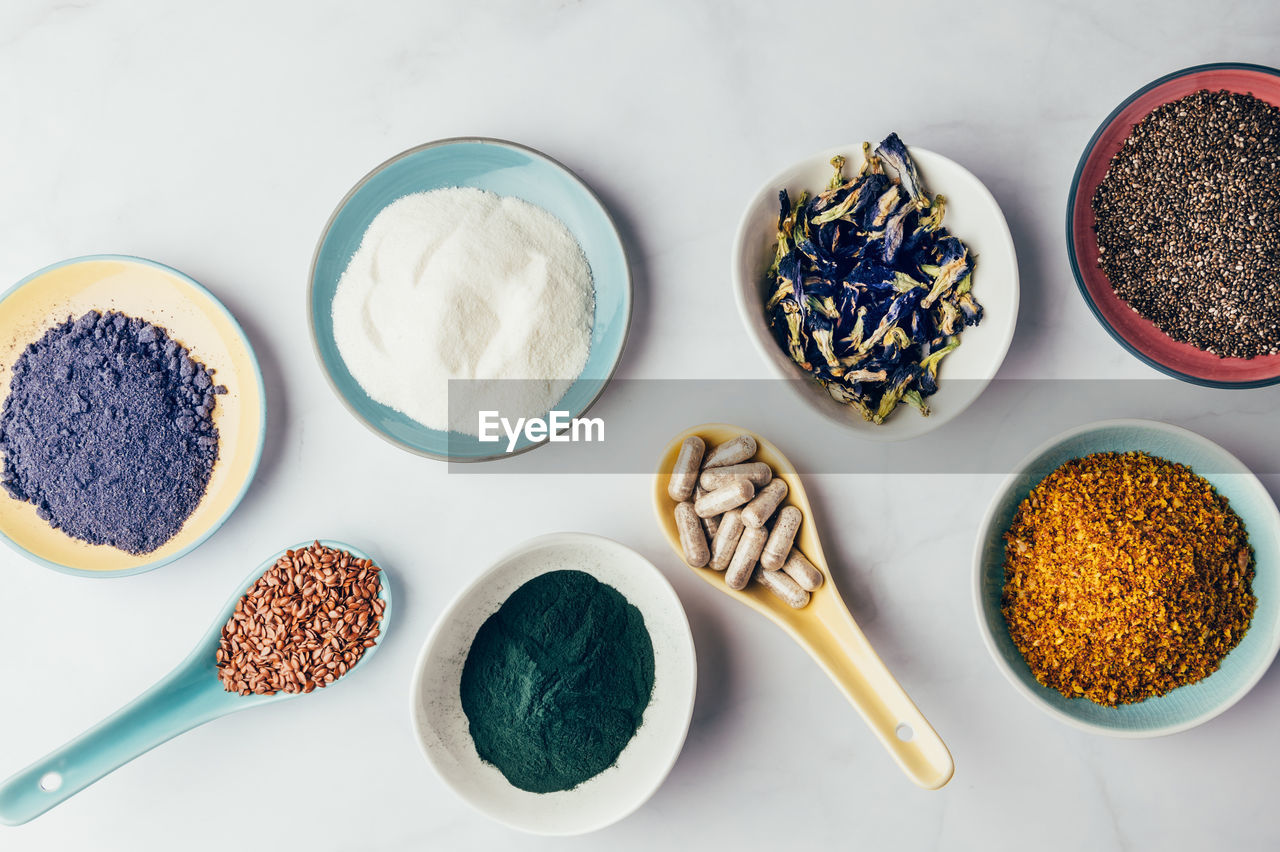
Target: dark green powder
<point x="557" y="681"/>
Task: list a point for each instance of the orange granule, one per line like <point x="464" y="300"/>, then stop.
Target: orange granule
<point x="1126" y="576"/>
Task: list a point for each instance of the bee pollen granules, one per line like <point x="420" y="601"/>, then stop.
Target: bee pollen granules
<point x="1126" y="576"/>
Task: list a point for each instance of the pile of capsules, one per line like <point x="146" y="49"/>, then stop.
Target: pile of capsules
<point x="728" y="515"/>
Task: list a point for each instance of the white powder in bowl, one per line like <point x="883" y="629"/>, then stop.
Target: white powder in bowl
<point x="465" y="284"/>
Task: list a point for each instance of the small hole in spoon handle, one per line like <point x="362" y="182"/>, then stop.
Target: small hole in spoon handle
<point x="904" y="732"/>
<point x="50" y="782"/>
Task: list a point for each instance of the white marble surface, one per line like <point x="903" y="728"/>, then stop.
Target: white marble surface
<point x="218" y="137"/>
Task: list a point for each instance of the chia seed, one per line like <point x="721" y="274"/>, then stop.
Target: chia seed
<point x="108" y="430"/>
<point x="1188" y="222"/>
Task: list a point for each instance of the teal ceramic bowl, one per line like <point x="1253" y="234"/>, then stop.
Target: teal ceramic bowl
<point x="1186" y="706"/>
<point x="504" y="168"/>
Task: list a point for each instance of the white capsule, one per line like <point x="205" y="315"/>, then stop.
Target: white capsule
<point x="804" y="572"/>
<point x="684" y="473"/>
<point x="726" y="540"/>
<point x="732" y="451"/>
<point x="762" y="505"/>
<point x="757" y="473"/>
<point x="781" y="537"/>
<point x="783" y="586"/>
<point x="692" y="540"/>
<point x="723" y="499"/>
<point x="711" y="524"/>
<point x="745" y="556"/>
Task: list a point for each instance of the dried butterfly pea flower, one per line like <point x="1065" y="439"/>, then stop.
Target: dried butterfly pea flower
<point x="868" y="290"/>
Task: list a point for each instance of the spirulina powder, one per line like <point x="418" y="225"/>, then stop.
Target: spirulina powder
<point x="557" y="681"/>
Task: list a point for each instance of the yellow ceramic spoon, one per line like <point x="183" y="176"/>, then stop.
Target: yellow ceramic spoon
<point x="824" y="628"/>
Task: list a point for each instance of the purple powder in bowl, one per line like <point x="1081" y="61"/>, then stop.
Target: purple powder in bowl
<point x="108" y="430"/>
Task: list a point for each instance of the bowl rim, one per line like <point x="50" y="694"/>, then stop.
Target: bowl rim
<point x="1074" y="260"/>
<point x="262" y="418"/>
<point x="793" y="377"/>
<point x="1036" y="696"/>
<point x="685" y="638"/>
<point x="628" y="289"/>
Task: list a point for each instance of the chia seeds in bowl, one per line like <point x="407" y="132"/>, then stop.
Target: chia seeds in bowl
<point x="1187" y="219"/>
<point x="1201" y="328"/>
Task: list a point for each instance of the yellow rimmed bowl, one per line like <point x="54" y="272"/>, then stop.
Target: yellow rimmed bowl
<point x="195" y="318"/>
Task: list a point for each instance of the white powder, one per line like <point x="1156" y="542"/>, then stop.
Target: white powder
<point x="465" y="284"/>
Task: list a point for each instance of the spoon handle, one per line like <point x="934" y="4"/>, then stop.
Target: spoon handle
<point x="176" y="704"/>
<point x="857" y="670"/>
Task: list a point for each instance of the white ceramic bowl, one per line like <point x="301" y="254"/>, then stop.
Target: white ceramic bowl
<point x="643" y="765"/>
<point x="972" y="215"/>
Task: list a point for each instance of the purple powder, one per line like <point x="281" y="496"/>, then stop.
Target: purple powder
<point x="108" y="431"/>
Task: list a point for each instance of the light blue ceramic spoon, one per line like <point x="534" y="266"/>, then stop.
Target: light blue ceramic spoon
<point x="188" y="696"/>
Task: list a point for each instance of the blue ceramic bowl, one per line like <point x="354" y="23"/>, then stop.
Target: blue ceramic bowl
<point x="504" y="168"/>
<point x="1186" y="706"/>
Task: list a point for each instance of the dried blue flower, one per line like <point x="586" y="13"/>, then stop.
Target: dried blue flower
<point x="893" y="152"/>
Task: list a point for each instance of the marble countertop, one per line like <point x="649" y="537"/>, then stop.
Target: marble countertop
<point x="218" y="137"/>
